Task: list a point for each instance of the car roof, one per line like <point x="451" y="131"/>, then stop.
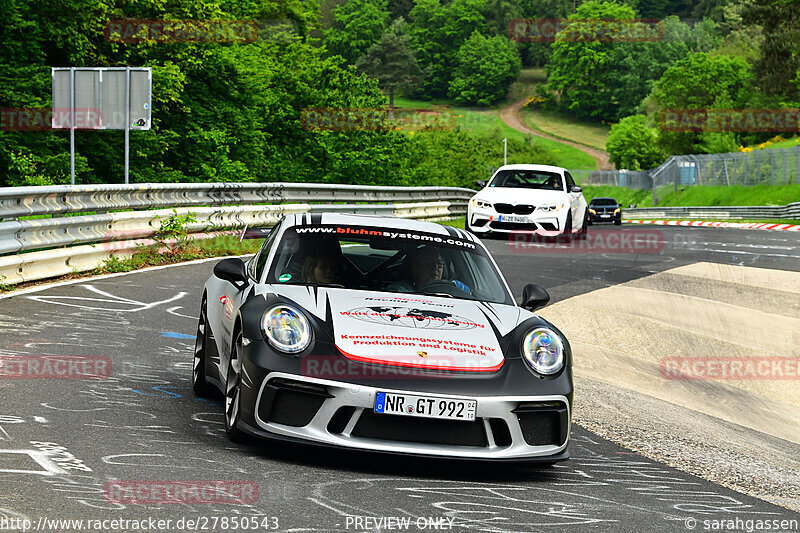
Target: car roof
<point x="303" y="219"/>
<point x="547" y="168"/>
<point x="603" y="198"/>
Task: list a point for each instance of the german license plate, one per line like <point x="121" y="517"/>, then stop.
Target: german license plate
<point x="513" y="218"/>
<point x="606" y="216"/>
<point x="425" y="406"/>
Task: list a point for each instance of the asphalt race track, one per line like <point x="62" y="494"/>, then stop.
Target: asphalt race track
<point x="62" y="441"/>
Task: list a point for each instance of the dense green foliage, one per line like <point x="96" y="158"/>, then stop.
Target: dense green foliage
<point x="221" y="111"/>
<point x="357" y="25"/>
<point x="391" y="61"/>
<point x="580" y="70"/>
<point x="701" y="81"/>
<point x="485" y="68"/>
<point x="633" y="145"/>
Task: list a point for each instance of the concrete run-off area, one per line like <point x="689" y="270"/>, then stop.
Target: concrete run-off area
<point x="696" y="366"/>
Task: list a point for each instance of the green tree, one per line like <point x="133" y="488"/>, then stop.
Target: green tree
<point x="637" y="66"/>
<point x="392" y="62"/>
<point x="779" y="61"/>
<point x="580" y="72"/>
<point x="437" y="30"/>
<point x="700" y="81"/>
<point x="633" y="145"/>
<point x="485" y="68"/>
<point x="357" y="25"/>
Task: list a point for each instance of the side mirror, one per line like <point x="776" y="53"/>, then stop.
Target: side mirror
<point x="534" y="297"/>
<point x="481" y="183"/>
<point x="576" y="188"/>
<point x="232" y="270"/>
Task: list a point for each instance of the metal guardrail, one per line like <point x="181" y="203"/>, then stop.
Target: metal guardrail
<point x="791" y="211"/>
<point x="18" y="202"/>
<point x="52" y="246"/>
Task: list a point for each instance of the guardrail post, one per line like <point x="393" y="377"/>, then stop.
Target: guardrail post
<point x="758" y="167"/>
<point x="772" y="168"/>
<point x="785" y="182"/>
<point x="745" y="169"/>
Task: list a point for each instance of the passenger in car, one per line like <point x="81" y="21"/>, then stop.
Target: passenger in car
<point x="319" y="268"/>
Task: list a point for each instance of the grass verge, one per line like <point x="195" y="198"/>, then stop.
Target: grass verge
<point x="736" y="220"/>
<point x="569" y="129"/>
<point x="699" y="195"/>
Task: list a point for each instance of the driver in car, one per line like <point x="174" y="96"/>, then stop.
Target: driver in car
<point x="426" y="266"/>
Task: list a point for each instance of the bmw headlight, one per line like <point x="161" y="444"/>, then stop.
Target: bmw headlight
<point x="543" y="350"/>
<point x="481" y="203"/>
<point x="286" y="329"/>
<point x="550" y="207"/>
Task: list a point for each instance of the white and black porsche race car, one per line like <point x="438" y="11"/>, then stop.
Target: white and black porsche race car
<point x="383" y="334"/>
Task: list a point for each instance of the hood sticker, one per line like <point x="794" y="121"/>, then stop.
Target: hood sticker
<point x="416" y="335"/>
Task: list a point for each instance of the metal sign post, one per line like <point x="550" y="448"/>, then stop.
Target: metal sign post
<point x="107" y="98"/>
<point x="72" y="127"/>
<point x="505" y="151"/>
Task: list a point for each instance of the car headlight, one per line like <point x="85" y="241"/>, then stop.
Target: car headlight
<point x="616" y="210"/>
<point x="592" y="211"/>
<point x="543" y="350"/>
<point x="481" y="203"/>
<point x="547" y="208"/>
<point x="286" y="329"/>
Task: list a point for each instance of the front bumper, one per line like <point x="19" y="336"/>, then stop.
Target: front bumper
<point x="599" y="218"/>
<point x="483" y="220"/>
<point x="505" y="428"/>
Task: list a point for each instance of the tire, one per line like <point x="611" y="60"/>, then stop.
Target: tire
<point x="566" y="235"/>
<point x="199" y="384"/>
<point x="233" y="391"/>
<point x="618" y="222"/>
<point x="585" y="228"/>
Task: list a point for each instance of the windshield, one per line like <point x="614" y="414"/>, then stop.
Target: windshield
<point x="528" y="179"/>
<point x="604" y="201"/>
<point x="389" y="260"/>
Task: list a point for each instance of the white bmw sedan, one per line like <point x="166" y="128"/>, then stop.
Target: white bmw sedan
<point x="532" y="198"/>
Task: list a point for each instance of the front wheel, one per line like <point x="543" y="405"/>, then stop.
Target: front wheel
<point x="566" y="235"/>
<point x="199" y="383"/>
<point x="233" y="391"/>
<point x="584" y="228"/>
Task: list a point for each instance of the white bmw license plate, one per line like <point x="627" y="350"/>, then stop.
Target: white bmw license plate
<point x="513" y="218"/>
<point x="425" y="406"/>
